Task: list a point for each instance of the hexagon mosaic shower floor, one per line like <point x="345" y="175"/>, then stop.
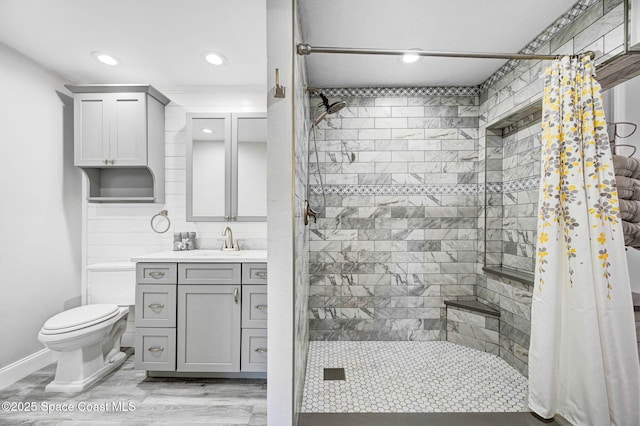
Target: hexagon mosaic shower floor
<point x="410" y="377"/>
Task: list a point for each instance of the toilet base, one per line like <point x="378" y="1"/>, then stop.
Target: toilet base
<point x="80" y="385"/>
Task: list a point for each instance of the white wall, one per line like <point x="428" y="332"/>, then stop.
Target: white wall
<point x="40" y="214"/>
<point x="117" y="232"/>
<point x="627" y="108"/>
<point x="280" y="206"/>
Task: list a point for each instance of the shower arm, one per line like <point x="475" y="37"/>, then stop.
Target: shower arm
<point x="306" y="49"/>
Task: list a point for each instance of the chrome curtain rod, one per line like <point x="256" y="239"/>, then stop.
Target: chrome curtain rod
<point x="306" y="49"/>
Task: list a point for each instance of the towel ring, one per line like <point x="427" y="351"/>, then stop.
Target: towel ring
<point x="160" y="222"/>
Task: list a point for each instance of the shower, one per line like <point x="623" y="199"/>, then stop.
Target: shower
<point x="329" y="108"/>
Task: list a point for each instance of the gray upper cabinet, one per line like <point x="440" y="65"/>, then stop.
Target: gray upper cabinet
<point x="226" y="167"/>
<point x="111" y="129"/>
<point x="119" y="141"/>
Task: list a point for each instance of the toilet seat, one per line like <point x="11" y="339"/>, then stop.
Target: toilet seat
<point x="78" y="318"/>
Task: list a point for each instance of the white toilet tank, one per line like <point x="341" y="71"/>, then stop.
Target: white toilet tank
<point x="113" y="282"/>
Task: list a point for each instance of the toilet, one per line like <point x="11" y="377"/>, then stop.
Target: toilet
<point x="87" y="340"/>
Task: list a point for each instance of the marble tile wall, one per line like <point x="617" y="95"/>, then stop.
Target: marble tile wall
<point x="473" y="329"/>
<point x="513" y="175"/>
<point x="399" y="234"/>
<point x="301" y="233"/>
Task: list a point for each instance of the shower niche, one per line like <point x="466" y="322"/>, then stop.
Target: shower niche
<point x="512" y="177"/>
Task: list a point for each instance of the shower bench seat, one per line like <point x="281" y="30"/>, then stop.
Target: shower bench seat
<point x="473" y="324"/>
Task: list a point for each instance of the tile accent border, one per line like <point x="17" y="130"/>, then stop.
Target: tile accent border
<point x="558" y="25"/>
<point x="525" y="184"/>
<point x="372" y="92"/>
<point x="457" y="189"/>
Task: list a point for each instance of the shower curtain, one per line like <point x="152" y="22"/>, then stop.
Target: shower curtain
<point x="583" y="358"/>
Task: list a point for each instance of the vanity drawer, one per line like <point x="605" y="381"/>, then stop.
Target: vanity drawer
<point x="156" y="349"/>
<point x="254" y="350"/>
<point x="254" y="306"/>
<point x="254" y="273"/>
<point x="156" y="273"/>
<point x="155" y="305"/>
<point x="208" y="273"/>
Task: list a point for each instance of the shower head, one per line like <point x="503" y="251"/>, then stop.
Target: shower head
<point x="328" y="108"/>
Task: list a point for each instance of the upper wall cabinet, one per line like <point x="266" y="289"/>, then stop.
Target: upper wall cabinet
<point x="112" y="129"/>
<point x="119" y="141"/>
<point x="226" y="167"/>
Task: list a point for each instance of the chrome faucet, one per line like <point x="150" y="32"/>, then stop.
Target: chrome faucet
<point x="229" y="244"/>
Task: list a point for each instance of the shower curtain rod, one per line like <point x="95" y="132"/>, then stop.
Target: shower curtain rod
<point x="306" y="49"/>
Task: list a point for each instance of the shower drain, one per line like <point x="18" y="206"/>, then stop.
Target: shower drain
<point x="334" y="374"/>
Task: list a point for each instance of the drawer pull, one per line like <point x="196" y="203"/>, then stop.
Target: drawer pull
<point x="156" y="306"/>
<point x="235" y="295"/>
<point x="156" y="275"/>
<point x="156" y="349"/>
<point x="261" y="350"/>
<point x="261" y="274"/>
<point x="261" y="307"/>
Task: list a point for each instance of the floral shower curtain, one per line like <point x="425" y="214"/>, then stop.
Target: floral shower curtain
<point x="583" y="358"/>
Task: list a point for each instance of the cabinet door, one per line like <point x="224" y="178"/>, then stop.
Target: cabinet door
<point x="208" y="328"/>
<point x="128" y="130"/>
<point x="249" y="174"/>
<point x="91" y="128"/>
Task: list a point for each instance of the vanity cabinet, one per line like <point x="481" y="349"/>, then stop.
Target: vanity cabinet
<point x="201" y="317"/>
<point x="226" y="167"/>
<point x="119" y="141"/>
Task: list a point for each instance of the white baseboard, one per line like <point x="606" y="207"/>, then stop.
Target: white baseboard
<point x="25" y="366"/>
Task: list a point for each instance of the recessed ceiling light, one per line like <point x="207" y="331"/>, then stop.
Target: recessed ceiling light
<point x="409" y="58"/>
<point x="214" y="58"/>
<point x="207" y="131"/>
<point x="105" y="58"/>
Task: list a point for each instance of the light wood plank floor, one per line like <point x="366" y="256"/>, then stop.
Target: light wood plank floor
<point x="147" y="401"/>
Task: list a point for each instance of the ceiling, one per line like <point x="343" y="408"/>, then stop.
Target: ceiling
<point x="161" y="41"/>
<point x="157" y="41"/>
<point x="461" y="25"/>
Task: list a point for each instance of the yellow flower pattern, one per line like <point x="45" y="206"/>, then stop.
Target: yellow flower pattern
<point x="578" y="197"/>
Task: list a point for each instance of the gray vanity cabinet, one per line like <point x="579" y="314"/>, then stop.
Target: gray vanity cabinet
<point x="201" y="317"/>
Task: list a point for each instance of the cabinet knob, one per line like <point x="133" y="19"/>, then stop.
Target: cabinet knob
<point x="156" y="275"/>
<point x="233" y="218"/>
<point x="156" y="349"/>
<point x="261" y="350"/>
<point x="112" y="162"/>
<point x="261" y="307"/>
<point x="106" y="161"/>
<point x="226" y="218"/>
<point x="235" y="295"/>
<point x="261" y="274"/>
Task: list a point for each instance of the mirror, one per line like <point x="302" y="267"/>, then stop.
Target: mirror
<point x="226" y="167"/>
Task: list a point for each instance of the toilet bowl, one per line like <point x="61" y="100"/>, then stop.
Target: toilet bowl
<point x="87" y="341"/>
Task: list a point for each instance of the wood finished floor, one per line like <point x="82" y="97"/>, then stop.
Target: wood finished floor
<point x="157" y="401"/>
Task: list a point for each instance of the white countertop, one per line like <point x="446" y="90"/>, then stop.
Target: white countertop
<point x="200" y="256"/>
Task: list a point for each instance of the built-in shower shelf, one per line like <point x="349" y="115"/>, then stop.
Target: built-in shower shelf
<point x="512" y="274"/>
<point x="474" y="306"/>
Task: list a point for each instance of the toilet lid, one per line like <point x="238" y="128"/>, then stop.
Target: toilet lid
<point x="80" y="317"/>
